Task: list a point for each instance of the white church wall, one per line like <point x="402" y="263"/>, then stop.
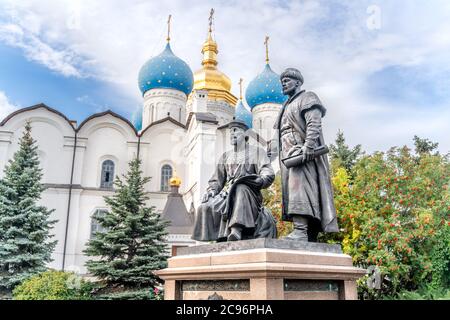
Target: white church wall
<point x="162" y="144"/>
<point x="201" y="155"/>
<point x="159" y="102"/>
<point x="107" y="138"/>
<point x="71" y="237"/>
<point x="222" y="110"/>
<point x="145" y="157"/>
<point x="198" y="101"/>
<point x="57" y="199"/>
<point x="222" y="142"/>
<point x="49" y="130"/>
<point x="79" y="156"/>
<point x="5" y="144"/>
<point x="264" y="116"/>
<point x="9" y="145"/>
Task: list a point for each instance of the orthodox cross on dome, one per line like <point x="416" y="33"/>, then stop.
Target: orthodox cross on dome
<point x="168" y="27"/>
<point x="266" y="43"/>
<point x="240" y="88"/>
<point x="211" y="18"/>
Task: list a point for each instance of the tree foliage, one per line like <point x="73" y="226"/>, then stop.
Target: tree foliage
<point x="25" y="245"/>
<point x="424" y="146"/>
<point x="134" y="244"/>
<point x="272" y="200"/>
<point x="394" y="211"/>
<point x="342" y="155"/>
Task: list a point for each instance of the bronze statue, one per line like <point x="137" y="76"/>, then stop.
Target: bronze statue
<point x="232" y="207"/>
<point x="307" y="195"/>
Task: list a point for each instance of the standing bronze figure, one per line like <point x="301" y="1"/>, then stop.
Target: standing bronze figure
<point x="307" y="195"/>
<point x="232" y="208"/>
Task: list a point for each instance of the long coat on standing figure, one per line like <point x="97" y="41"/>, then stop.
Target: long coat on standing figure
<point x="307" y="195"/>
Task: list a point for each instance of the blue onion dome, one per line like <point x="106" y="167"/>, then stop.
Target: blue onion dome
<point x="168" y="71"/>
<point x="243" y="114"/>
<point x="265" y="88"/>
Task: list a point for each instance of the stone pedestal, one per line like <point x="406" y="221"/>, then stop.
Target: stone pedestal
<point x="261" y="269"/>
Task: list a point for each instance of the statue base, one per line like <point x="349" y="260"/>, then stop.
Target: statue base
<point x="261" y="269"/>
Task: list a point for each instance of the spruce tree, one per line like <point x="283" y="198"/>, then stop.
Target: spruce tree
<point x="25" y="240"/>
<point x="133" y="245"/>
<point x="342" y="155"/>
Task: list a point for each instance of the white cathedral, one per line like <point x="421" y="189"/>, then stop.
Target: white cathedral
<point x="182" y="132"/>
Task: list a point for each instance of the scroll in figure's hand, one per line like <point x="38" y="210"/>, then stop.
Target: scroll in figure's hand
<point x="308" y="154"/>
<point x="294" y="151"/>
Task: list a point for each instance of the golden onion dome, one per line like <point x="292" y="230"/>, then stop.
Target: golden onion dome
<point x="210" y="78"/>
<point x="175" y="181"/>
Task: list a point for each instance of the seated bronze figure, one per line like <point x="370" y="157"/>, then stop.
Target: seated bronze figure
<point x="232" y="207"/>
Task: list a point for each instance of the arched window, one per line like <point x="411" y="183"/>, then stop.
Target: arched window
<point x="95" y="225"/>
<point x="107" y="178"/>
<point x="166" y="174"/>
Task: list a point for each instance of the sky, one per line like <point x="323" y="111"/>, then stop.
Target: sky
<point x="381" y="68"/>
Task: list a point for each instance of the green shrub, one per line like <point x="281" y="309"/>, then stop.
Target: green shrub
<point x="440" y="260"/>
<point x="123" y="293"/>
<point x="54" y="285"/>
<point x="423" y="294"/>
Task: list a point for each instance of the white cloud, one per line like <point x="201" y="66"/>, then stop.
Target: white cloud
<point x="328" y="40"/>
<point x="61" y="61"/>
<point x="6" y="107"/>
